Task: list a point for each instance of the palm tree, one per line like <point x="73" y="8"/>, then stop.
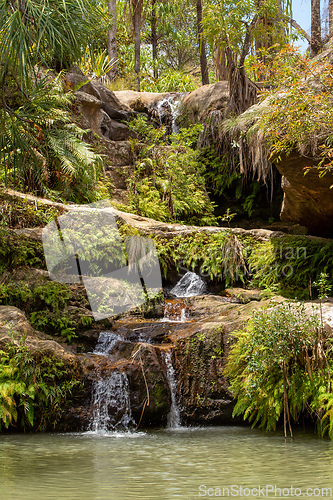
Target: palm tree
<point x="38" y="142"/>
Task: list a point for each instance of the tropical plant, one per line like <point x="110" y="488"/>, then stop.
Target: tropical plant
<point x="41" y="149"/>
<point x="167" y="182"/>
<point x="35" y="388"/>
<point x="281" y="364"/>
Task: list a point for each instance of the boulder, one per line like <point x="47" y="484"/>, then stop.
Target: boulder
<point x="141" y="102"/>
<point x="78" y="81"/>
<point x="95" y="118"/>
<point x="197" y="105"/>
<point x="15" y="327"/>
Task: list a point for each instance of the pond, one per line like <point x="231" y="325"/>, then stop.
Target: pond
<point x="187" y="463"/>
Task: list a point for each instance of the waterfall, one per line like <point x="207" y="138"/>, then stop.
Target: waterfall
<point x="111" y="403"/>
<point x="189" y="285"/>
<point x="174" y="421"/>
<point x="110" y="395"/>
<point x="107" y="341"/>
<point x="170" y="105"/>
<point x="174" y="311"/>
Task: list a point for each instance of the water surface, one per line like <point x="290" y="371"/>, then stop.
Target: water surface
<point x="162" y="464"/>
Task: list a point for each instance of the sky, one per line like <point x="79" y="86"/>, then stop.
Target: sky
<point x="302" y="14"/>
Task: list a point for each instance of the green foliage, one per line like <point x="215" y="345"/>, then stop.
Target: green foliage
<point x="282" y="363"/>
<point x="46" y="304"/>
<point x="42" y="32"/>
<point x="167" y="183"/>
<point x="95" y="65"/>
<point x="42" y="151"/>
<point x="295" y="114"/>
<point x="216" y="256"/>
<point x="170" y="81"/>
<point x="41" y="148"/>
<point x="23" y="214"/>
<point x="16" y="251"/>
<point x="290" y="263"/>
<point x="35" y="388"/>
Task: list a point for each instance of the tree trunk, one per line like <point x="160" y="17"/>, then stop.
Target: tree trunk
<point x="112" y="39"/>
<point x="202" y="48"/>
<point x="154" y="37"/>
<point x="221" y="69"/>
<point x="315" y="44"/>
<point x="330" y="18"/>
<point x="137" y="9"/>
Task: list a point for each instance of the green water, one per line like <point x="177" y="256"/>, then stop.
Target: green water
<point x="163" y="465"/>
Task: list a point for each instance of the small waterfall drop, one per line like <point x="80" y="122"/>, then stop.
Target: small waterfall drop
<point x="107" y="341"/>
<point x="188" y="286"/>
<point x="169" y="105"/>
<point x="174" y="421"/>
<point x="174" y="311"/>
<point x="111" y="403"/>
<point x="110" y="396"/>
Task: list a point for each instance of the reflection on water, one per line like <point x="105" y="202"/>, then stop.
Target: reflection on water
<point x="161" y="464"/>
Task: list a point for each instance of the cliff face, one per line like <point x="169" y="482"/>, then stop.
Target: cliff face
<point x="308" y="199"/>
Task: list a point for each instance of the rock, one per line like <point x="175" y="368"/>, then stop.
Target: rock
<point x="113" y="130"/>
<point x="120" y="152"/>
<point x="34" y="233"/>
<point x="242" y="295"/>
<point x="94" y="117"/>
<point x="78" y="81"/>
<point x="308" y="199"/>
<point x="15" y="327"/>
<point x="141" y="102"/>
<point x="90" y="111"/>
<point x="197" y="105"/>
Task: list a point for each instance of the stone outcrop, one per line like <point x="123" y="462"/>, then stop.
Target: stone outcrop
<point x="14" y="327"/>
<point x="308" y="199"/>
<point x="197" y="105"/>
<point x="141" y="102"/>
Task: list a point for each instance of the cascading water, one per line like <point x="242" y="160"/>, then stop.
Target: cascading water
<point x="110" y="395"/>
<point x="170" y="105"/>
<point x="174" y="421"/>
<point x="111" y="403"/>
<point x="188" y="286"/>
<point x="107" y="341"/>
<point x="174" y="311"/>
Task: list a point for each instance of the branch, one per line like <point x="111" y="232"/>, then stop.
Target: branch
<point x="298" y="28"/>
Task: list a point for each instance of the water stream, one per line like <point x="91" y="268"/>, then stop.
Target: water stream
<point x="110" y="394"/>
<point x="170" y="105"/>
<point x="111" y="404"/>
<point x="174" y="421"/>
<point x="189" y="285"/>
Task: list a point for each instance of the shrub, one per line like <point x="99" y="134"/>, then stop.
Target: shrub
<point x="282" y="364"/>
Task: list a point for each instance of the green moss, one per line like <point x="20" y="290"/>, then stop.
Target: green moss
<point x="160" y="395"/>
<point x="201" y="350"/>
